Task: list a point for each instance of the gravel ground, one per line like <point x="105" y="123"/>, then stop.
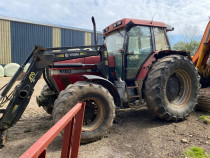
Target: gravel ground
<point x="135" y="133"/>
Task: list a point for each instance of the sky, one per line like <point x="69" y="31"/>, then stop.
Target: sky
<point x="78" y="13"/>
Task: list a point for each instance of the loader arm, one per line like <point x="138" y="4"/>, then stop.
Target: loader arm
<point x="42" y="59"/>
<point x="201" y="56"/>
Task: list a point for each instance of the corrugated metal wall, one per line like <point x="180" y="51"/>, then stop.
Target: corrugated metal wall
<point x="87" y="38"/>
<point x="99" y="38"/>
<point x="24" y="36"/>
<point x="5" y="42"/>
<point x="56" y="37"/>
<point x="17" y="39"/>
<point x="72" y="38"/>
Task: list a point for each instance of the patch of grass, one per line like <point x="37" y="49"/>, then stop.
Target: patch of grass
<point x="205" y="119"/>
<point x="195" y="152"/>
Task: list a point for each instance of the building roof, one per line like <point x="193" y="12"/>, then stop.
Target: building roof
<point x="45" y="24"/>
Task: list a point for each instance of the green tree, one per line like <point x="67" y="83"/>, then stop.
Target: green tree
<point x="188" y="46"/>
<point x="190" y="35"/>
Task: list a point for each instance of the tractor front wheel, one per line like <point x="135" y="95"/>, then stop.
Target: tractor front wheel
<point x="46" y="99"/>
<point x="172" y="87"/>
<point x="99" y="110"/>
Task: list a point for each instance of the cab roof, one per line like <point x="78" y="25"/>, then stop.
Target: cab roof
<point x="123" y="22"/>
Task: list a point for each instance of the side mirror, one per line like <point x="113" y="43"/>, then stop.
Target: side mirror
<point x="169" y="28"/>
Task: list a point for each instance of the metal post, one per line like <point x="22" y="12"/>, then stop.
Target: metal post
<point x="67" y="139"/>
<point x="77" y="131"/>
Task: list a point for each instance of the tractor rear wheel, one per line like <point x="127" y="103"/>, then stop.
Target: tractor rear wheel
<point x="99" y="110"/>
<point x="46" y="99"/>
<point x="172" y="87"/>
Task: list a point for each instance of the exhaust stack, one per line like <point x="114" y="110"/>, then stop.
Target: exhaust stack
<point x="94" y="30"/>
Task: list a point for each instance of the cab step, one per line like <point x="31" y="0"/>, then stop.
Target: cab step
<point x="134" y="96"/>
<point x="132" y="87"/>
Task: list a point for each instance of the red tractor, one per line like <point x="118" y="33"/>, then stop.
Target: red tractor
<point x="134" y="65"/>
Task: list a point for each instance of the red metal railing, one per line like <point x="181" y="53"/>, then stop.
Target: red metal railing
<point x="72" y="124"/>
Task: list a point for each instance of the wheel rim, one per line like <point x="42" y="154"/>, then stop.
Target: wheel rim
<point x="94" y="114"/>
<point x="178" y="88"/>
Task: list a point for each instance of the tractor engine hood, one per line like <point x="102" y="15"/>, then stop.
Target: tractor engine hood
<point x="86" y="60"/>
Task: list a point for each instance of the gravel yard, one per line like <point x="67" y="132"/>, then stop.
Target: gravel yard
<point x="135" y="133"/>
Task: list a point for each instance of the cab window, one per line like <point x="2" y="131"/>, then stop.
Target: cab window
<point x="114" y="42"/>
<point x="160" y="39"/>
<point x="139" y="48"/>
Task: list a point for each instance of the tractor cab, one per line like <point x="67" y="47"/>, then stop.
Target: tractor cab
<point x="131" y="42"/>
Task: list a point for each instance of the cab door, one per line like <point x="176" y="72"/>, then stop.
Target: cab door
<point x="138" y="49"/>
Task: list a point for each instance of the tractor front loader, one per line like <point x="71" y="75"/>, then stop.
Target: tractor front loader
<point x="133" y="66"/>
<point x="201" y="60"/>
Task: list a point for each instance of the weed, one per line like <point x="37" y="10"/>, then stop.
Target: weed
<point x="205" y="119"/>
<point x="195" y="152"/>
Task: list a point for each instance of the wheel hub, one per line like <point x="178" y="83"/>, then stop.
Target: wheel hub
<point x="173" y="88"/>
<point x="94" y="114"/>
<point x="90" y="112"/>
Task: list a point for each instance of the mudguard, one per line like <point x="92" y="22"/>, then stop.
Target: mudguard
<point x="106" y="84"/>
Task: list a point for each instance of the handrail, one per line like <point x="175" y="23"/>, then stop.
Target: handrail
<point x="72" y="124"/>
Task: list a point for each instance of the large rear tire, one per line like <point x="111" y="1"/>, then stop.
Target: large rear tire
<point x="46" y="99"/>
<point x="99" y="110"/>
<point x="172" y="87"/>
